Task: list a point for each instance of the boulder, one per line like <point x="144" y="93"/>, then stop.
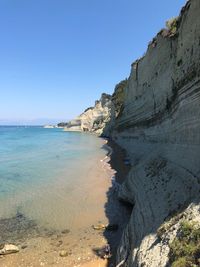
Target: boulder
<point x="8" y="249"/>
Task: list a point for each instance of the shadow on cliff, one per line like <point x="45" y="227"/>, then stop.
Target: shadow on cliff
<point x="162" y="173"/>
<point x="117" y="212"/>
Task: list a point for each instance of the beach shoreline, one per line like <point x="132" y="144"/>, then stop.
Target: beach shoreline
<point x="46" y="250"/>
<point x="115" y="160"/>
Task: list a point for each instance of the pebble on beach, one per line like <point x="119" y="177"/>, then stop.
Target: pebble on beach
<point x="64" y="253"/>
<point x="8" y="249"/>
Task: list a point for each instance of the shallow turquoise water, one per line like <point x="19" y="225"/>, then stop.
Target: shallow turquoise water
<point x="42" y="172"/>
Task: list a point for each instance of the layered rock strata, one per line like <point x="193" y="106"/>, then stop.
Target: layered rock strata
<point x="159" y="126"/>
<point x="93" y="119"/>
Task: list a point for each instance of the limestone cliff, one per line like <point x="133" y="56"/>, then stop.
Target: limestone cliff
<point x="155" y="116"/>
<point x="159" y="126"/>
<point x="93" y="119"/>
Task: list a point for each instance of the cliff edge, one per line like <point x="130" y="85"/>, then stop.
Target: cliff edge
<point x="93" y="119"/>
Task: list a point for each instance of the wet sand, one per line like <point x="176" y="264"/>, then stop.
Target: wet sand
<point x="42" y="247"/>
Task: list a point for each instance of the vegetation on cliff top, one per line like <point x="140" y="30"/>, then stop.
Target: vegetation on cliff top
<point x="119" y="96"/>
<point x="62" y="124"/>
<point x="172" y="26"/>
<point x="185" y="249"/>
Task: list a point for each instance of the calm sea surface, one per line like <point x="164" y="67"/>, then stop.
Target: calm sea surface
<point x="48" y="174"/>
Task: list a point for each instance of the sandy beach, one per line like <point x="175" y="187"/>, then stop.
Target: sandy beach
<point x="82" y="245"/>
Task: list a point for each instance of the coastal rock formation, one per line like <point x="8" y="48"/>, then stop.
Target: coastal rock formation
<point x="116" y="107"/>
<point x="93" y="119"/>
<point x="155" y="117"/>
<point x="159" y="126"/>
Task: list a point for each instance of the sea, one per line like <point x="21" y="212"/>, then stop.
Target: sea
<point x="50" y="176"/>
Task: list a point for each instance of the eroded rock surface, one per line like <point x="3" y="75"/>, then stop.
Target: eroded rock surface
<point x="159" y="127"/>
<point x="93" y="119"/>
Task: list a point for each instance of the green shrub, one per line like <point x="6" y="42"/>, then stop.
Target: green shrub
<point x="119" y="96"/>
<point x="185" y="249"/>
<point x="171" y="25"/>
<point x="181" y="262"/>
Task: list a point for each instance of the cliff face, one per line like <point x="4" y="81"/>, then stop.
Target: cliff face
<point x="155" y="116"/>
<point x="159" y="126"/>
<point x="93" y="119"/>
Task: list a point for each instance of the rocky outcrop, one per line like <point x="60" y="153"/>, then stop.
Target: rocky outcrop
<point x="8" y="249"/>
<point x="93" y="119"/>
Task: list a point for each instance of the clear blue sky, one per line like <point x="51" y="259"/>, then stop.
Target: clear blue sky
<point x="58" y="56"/>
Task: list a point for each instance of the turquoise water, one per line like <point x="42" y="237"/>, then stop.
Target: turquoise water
<point x="44" y="172"/>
